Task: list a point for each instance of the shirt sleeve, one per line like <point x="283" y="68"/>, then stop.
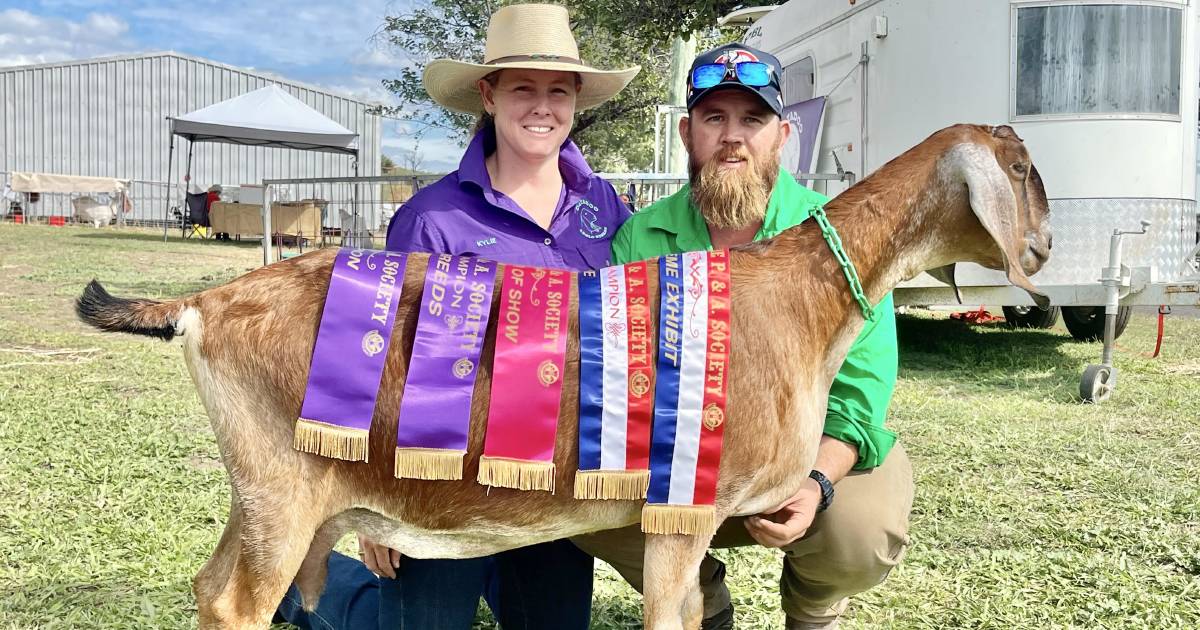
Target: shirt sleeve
<point x="862" y="390"/>
<point x="409" y="231"/>
<point x="622" y="244"/>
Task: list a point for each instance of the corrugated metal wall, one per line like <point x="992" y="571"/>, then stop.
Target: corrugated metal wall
<point x="108" y="117"/>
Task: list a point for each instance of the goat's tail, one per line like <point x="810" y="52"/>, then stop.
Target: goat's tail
<point x="98" y="308"/>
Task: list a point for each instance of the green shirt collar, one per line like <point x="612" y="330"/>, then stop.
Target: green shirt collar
<point x="790" y="204"/>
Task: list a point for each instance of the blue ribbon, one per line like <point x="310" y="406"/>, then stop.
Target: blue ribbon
<point x="591" y="370"/>
<point x="666" y="391"/>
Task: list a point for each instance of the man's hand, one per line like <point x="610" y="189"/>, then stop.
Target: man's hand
<point x="790" y="521"/>
<point x="382" y="561"/>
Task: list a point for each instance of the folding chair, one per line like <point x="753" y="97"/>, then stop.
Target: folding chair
<point x="195" y="217"/>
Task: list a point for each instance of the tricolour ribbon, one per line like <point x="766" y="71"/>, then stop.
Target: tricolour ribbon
<point x="689" y="409"/>
<point x="527" y="373"/>
<point x="349" y="354"/>
<point x="616" y="380"/>
<point x="435" y="412"/>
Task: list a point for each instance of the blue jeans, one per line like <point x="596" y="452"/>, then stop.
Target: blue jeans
<point x="543" y="587"/>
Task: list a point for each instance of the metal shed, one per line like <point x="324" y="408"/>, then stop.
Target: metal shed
<point x="107" y="117"/>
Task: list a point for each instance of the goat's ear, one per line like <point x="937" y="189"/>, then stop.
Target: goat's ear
<point x="994" y="204"/>
<point x="945" y="275"/>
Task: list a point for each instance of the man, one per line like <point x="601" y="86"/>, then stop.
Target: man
<point x="835" y="547"/>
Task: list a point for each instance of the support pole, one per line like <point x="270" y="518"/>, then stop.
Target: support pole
<point x="266" y="213"/>
<point x="167" y="196"/>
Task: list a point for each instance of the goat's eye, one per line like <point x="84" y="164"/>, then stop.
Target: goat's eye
<point x="1018" y="168"/>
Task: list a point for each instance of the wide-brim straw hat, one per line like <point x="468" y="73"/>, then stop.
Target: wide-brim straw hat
<point x="530" y="36"/>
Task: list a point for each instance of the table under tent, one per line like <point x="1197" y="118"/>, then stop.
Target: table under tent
<point x="266" y="117"/>
<point x="94" y="200"/>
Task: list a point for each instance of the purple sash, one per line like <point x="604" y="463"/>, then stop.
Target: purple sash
<point x="435" y="412"/>
<point x="350" y="352"/>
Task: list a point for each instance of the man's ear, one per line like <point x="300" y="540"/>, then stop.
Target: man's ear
<point x="785" y="131"/>
<point x="685" y="123"/>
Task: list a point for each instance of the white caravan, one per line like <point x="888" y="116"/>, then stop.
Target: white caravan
<point x="1104" y="94"/>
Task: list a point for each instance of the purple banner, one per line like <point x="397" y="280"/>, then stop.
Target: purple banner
<point x="800" y="152"/>
<point x="435" y="411"/>
<point x="352" y="342"/>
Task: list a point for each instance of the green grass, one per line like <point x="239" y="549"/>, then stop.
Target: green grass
<point x="1032" y="510"/>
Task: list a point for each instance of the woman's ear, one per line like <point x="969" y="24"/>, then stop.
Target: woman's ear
<point x="487" y="95"/>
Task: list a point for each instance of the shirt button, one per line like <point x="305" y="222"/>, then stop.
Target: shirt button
<point x="548" y="241"/>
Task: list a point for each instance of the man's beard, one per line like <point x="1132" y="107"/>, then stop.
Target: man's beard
<point x="733" y="198"/>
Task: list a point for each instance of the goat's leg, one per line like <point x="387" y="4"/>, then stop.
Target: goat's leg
<point x="274" y="538"/>
<point x="310" y="579"/>
<point x="672" y="581"/>
<point x="213" y="576"/>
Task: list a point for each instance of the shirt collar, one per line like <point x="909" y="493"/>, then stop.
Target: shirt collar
<point x="681" y="218"/>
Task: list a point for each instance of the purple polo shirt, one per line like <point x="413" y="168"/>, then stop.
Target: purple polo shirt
<point x="462" y="214"/>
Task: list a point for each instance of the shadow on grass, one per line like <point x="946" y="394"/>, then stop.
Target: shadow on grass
<point x="988" y="357"/>
<point x="172" y="237"/>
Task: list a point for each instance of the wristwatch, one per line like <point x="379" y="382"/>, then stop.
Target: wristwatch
<point x="826" y="489"/>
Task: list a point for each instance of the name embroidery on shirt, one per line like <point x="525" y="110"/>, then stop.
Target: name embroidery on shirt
<point x="485" y="242"/>
<point x="589" y="216"/>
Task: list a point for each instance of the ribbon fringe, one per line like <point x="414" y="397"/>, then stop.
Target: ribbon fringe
<point x="430" y="464"/>
<point x="612" y="484"/>
<point x="331" y="440"/>
<point x="690" y="520"/>
<point x="516" y="474"/>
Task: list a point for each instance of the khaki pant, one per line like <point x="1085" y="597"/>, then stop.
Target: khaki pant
<point x="849" y="548"/>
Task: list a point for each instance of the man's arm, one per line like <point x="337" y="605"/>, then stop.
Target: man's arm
<point x="788" y="522"/>
<point x="862" y="390"/>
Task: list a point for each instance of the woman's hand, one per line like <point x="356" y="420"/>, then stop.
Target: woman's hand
<point x="381" y="560"/>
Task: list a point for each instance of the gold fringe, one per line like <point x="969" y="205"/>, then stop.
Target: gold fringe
<point x="612" y="484"/>
<point x="331" y="440"/>
<point x="678" y="519"/>
<point x="432" y="464"/>
<point x="518" y="474"/>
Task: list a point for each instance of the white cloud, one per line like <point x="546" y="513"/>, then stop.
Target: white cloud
<point x="26" y="38"/>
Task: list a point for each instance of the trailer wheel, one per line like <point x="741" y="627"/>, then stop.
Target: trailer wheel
<point x="1097" y="383"/>
<point x="1030" y="316"/>
<point x="1086" y="323"/>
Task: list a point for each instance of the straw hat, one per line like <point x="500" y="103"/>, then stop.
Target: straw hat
<point x="531" y="36"/>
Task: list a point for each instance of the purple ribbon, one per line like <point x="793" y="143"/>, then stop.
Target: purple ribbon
<point x="435" y="411"/>
<point x="352" y="342"/>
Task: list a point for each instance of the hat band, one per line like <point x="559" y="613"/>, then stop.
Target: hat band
<point x="538" y="57"/>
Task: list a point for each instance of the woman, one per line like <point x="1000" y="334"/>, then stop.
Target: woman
<point x="522" y="194"/>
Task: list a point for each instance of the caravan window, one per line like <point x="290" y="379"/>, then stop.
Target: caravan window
<point x="798" y="79"/>
<point x="1097" y="59"/>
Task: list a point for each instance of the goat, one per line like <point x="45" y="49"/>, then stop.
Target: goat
<point x="966" y="193"/>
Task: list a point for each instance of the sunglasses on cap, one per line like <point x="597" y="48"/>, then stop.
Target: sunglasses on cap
<point x="751" y="73"/>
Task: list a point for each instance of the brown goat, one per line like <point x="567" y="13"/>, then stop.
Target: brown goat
<point x="967" y="193"/>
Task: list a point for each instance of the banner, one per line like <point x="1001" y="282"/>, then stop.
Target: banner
<point x="349" y="354"/>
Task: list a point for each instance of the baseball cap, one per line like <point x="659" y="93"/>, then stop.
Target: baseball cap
<point x="759" y="76"/>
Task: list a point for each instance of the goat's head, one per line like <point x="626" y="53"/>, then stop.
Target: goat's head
<point x="1005" y="195"/>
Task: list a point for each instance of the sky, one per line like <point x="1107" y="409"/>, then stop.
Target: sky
<point x="328" y="43"/>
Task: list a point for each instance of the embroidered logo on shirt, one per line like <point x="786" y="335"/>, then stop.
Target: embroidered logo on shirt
<point x="589" y="216"/>
<point x="485" y="242"/>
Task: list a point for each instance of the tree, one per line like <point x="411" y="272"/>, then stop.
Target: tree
<point x="616" y="136"/>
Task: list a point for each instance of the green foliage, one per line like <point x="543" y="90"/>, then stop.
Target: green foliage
<point x="616" y="136"/>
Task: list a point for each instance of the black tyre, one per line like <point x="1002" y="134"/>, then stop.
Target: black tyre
<point x="1097" y="383"/>
<point x="1030" y="316"/>
<point x="1086" y="323"/>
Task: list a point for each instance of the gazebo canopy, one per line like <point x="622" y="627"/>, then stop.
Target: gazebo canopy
<point x="266" y="117"/>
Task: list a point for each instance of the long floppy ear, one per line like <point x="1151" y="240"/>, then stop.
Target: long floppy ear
<point x="994" y="205"/>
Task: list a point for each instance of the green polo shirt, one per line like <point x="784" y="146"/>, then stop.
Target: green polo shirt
<point x="862" y="389"/>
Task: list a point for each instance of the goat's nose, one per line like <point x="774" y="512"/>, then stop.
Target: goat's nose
<point x="1050" y="242"/>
